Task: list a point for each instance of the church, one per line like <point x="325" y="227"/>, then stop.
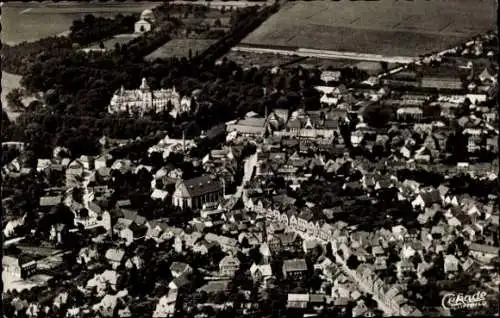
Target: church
<point x="144" y="100"/>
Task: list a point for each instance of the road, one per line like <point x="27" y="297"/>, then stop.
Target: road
<point x="303" y="52"/>
<point x="234" y="4"/>
<point x="250" y="164"/>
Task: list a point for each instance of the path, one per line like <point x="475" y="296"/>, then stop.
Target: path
<point x="250" y="164"/>
<point x="325" y="54"/>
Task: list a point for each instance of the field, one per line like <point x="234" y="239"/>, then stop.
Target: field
<point x="120" y="39"/>
<point x="33" y="21"/>
<point x="385" y="27"/>
<point x="180" y="48"/>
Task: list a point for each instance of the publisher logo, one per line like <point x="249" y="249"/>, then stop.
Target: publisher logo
<point x="454" y="301"/>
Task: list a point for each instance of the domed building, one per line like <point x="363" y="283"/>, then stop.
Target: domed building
<point x="145" y="24"/>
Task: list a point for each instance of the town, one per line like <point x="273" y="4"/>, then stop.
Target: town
<point x="344" y="194"/>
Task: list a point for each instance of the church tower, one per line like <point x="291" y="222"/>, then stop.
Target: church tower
<point x="144" y="85"/>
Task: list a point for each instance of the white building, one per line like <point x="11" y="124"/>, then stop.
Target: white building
<point x="142" y="100"/>
<point x="145" y="22"/>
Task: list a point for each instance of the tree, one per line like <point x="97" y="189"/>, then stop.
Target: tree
<point x="352" y="262"/>
<point x="14" y="99"/>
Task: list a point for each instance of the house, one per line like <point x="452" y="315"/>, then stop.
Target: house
<point x="115" y="256"/>
<point x="426" y="199"/>
<point x="290" y="241"/>
<point x="451" y="263"/>
<point x="260" y="272"/>
<point x="441" y="82"/>
<point x="294" y="268"/>
<point x="179" y="268"/>
<point x="50" y="201"/>
<point x="248" y="126"/>
<point x="195" y="192"/>
<point x="330" y="76"/>
<point x="179" y="282"/>
<point x="18" y="267"/>
<point x="228" y="266"/>
<point x="482" y="252"/>
<point x="403" y="267"/>
<point x="298" y="301"/>
<point x="166" y="305"/>
<point x="213" y="287"/>
<point x="102" y="161"/>
<point x="106" y="306"/>
<point x="124" y="312"/>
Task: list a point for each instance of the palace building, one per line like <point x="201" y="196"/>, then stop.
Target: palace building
<point x="144" y="100"/>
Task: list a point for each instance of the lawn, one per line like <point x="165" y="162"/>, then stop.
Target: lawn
<point x="403" y="28"/>
<point x="120" y="39"/>
<point x="33" y="21"/>
<point x="180" y="48"/>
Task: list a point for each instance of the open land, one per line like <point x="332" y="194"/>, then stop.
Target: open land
<point x="9" y="82"/>
<point x="180" y="48"/>
<point x="117" y="39"/>
<point x="32" y="21"/>
<point x="406" y="28"/>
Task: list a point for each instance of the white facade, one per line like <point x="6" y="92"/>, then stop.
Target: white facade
<point x="144" y="100"/>
<point x="142" y="26"/>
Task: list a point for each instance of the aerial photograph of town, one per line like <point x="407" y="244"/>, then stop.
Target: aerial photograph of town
<point x="250" y="158"/>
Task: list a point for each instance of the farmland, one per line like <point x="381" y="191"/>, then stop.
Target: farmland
<point x="117" y="39"/>
<point x="32" y="21"/>
<point x="405" y="28"/>
<point x="180" y="48"/>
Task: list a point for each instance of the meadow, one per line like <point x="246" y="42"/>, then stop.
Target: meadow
<point x="32" y="21"/>
<point x="180" y="48"/>
<point x="117" y="39"/>
<point x="386" y="27"/>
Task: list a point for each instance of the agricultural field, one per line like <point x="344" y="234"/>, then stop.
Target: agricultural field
<point x="180" y="48"/>
<point x="32" y="21"/>
<point x="385" y="27"/>
<point x="117" y="39"/>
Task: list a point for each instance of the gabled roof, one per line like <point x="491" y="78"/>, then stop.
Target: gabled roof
<point x="430" y="197"/>
<point x="115" y="255"/>
<point x="200" y="185"/>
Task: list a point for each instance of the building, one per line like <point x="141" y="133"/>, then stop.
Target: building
<point x="437" y="82"/>
<point x="314" y="124"/>
<point x="402" y="79"/>
<point x="17" y="267"/>
<point x="294" y="268"/>
<point x="409" y="113"/>
<point x="196" y="192"/>
<point x="229" y="265"/>
<point x="144" y="100"/>
<point x="248" y="127"/>
<point x="145" y="22"/>
<point x="330" y="76"/>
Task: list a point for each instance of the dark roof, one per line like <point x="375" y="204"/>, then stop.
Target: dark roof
<point x="202" y="185"/>
<point x="431" y="197"/>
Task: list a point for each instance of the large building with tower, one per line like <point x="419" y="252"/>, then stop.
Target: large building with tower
<point x="144" y="100"/>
